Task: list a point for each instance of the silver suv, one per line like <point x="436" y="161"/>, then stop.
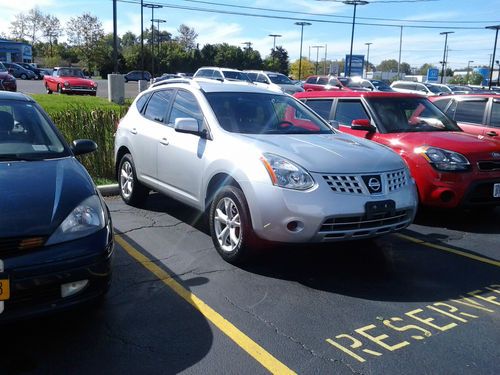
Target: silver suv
<point x="261" y="164"/>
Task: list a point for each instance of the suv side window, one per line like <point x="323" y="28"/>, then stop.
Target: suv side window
<point x="348" y="110"/>
<point x="252" y="76"/>
<point x="470" y="111"/>
<point x="217" y="75"/>
<point x="185" y="105"/>
<point x="205" y="73"/>
<point x="441" y="103"/>
<point x="158" y="105"/>
<point x="322" y="107"/>
<point x="495" y="114"/>
<point x="311" y="80"/>
<point x="142" y="101"/>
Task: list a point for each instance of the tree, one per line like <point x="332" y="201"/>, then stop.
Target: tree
<point x="28" y="26"/>
<point x="129" y="39"/>
<point x="391" y="65"/>
<point x="277" y="61"/>
<point x="187" y="37"/>
<point x="424" y="68"/>
<point x="86" y="34"/>
<point x="307" y="68"/>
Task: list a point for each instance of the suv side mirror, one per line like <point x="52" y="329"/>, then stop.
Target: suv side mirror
<point x="362" y="124"/>
<point x="187" y="125"/>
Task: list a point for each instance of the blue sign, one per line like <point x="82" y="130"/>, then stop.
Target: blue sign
<point x="432" y="74"/>
<point x="357" y="65"/>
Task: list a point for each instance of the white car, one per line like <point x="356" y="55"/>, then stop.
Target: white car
<point x="273" y="81"/>
<point x="410" y="87"/>
<point x="261" y="164"/>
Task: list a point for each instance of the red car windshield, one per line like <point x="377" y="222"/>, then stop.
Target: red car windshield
<point x="71" y="73"/>
<point x="401" y="115"/>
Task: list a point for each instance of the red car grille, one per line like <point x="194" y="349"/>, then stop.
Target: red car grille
<point x="489" y="165"/>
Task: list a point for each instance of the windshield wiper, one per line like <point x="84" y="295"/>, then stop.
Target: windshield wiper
<point x="18" y="157"/>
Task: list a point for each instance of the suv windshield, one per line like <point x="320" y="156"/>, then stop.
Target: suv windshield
<point x="434" y="89"/>
<point x="252" y="113"/>
<point x="380" y="85"/>
<point x="280" y="79"/>
<point x="25" y="134"/>
<point x="400" y="115"/>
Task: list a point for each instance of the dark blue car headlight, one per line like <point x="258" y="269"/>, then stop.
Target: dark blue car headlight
<point x="85" y="219"/>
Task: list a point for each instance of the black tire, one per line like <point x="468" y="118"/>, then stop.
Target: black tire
<point x="234" y="252"/>
<point x="23" y="76"/>
<point x="131" y="190"/>
<point x="49" y="91"/>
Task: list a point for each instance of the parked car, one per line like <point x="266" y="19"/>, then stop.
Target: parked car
<point x="322" y="83"/>
<point x="274" y="81"/>
<point x="18" y="71"/>
<point x="137" y="75"/>
<point x="37" y="71"/>
<point x="451" y="168"/>
<point x="261" y="164"/>
<point x="460" y="89"/>
<point x="361" y="84"/>
<point x="475" y="113"/>
<point x="221" y="74"/>
<point x="7" y="80"/>
<point x="411" y="87"/>
<point x="56" y="237"/>
<point x="165" y="76"/>
<point x="66" y="80"/>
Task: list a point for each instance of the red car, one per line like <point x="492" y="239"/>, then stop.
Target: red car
<point x="323" y="83"/>
<point x="451" y="168"/>
<point x="7" y="81"/>
<point x="475" y="113"/>
<point x="69" y="81"/>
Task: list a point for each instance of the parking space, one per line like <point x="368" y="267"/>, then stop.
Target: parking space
<point x="425" y="301"/>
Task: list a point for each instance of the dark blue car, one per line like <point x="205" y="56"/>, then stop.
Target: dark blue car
<point x="56" y="236"/>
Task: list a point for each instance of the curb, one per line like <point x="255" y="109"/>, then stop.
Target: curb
<point x="109" y="190"/>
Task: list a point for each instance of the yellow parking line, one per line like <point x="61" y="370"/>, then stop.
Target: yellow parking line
<point x="242" y="340"/>
<point x="449" y="250"/>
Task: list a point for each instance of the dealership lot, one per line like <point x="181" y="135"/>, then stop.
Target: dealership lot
<point x="425" y="301"/>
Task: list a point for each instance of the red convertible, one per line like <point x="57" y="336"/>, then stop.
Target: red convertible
<point x="69" y="81"/>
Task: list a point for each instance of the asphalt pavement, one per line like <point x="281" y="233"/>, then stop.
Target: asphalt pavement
<point x="426" y="301"/>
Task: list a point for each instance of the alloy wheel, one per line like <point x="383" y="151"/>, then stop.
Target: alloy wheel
<point x="227" y="224"/>
<point x="127" y="180"/>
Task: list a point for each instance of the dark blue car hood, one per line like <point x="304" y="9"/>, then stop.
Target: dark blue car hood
<point x="36" y="196"/>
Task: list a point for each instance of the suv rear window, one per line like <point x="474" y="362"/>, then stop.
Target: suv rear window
<point x="348" y="110"/>
<point x="321" y="106"/>
<point x="470" y="111"/>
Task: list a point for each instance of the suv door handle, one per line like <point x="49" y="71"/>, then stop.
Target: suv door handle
<point x="491" y="133"/>
<point x="133" y="131"/>
<point x="164" y="141"/>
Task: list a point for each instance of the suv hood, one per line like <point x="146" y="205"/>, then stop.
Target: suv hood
<point x="330" y="153"/>
<point x="38" y="195"/>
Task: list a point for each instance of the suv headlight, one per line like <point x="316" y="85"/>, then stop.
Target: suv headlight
<point x="85" y="219"/>
<point x="444" y="160"/>
<point x="286" y="174"/>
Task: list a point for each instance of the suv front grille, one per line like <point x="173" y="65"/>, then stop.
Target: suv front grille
<point x="354" y="184"/>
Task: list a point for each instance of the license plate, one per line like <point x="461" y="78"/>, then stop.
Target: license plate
<point x="496" y="191"/>
<point x="4" y="289"/>
<point x="379" y="207"/>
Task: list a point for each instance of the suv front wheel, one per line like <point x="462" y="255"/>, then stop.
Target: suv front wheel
<point x="230" y="225"/>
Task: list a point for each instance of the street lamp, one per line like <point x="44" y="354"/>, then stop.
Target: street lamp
<point x="355" y="3"/>
<point x="158" y="21"/>
<point x="301" y="24"/>
<point x="317" y="56"/>
<point x="445" y="33"/>
<point x="153" y="7"/>
<point x="274" y="36"/>
<point x="468" y="69"/>
<point x="367" y="58"/>
<point x="494" y="50"/>
<point x="248" y="44"/>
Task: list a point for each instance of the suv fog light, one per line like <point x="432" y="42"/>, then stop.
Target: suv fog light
<point x="295" y="226"/>
<point x="70" y="289"/>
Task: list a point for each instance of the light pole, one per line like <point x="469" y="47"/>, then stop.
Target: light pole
<point x="468" y="70"/>
<point x="367" y="58"/>
<point x="445" y="33"/>
<point x="301" y="24"/>
<point x="274" y="36"/>
<point x="248" y="44"/>
<point x="317" y="56"/>
<point x="498" y="75"/>
<point x="355" y="3"/>
<point x="153" y="7"/>
<point x="158" y="21"/>
<point x="496" y="27"/>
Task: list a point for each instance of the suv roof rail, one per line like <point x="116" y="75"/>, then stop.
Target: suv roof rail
<point x="176" y="80"/>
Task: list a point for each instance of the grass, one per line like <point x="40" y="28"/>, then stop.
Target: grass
<point x="53" y="103"/>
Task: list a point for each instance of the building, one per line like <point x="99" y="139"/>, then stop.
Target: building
<point x="11" y="51"/>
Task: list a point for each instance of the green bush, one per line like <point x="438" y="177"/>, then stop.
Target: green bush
<point x="96" y="121"/>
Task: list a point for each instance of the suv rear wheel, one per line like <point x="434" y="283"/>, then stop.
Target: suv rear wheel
<point x="230" y="225"/>
<point x="131" y="190"/>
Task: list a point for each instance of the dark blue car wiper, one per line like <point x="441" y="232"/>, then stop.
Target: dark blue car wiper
<point x="18" y="157"/>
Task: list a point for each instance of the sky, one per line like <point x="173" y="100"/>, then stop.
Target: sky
<point x="331" y="25"/>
